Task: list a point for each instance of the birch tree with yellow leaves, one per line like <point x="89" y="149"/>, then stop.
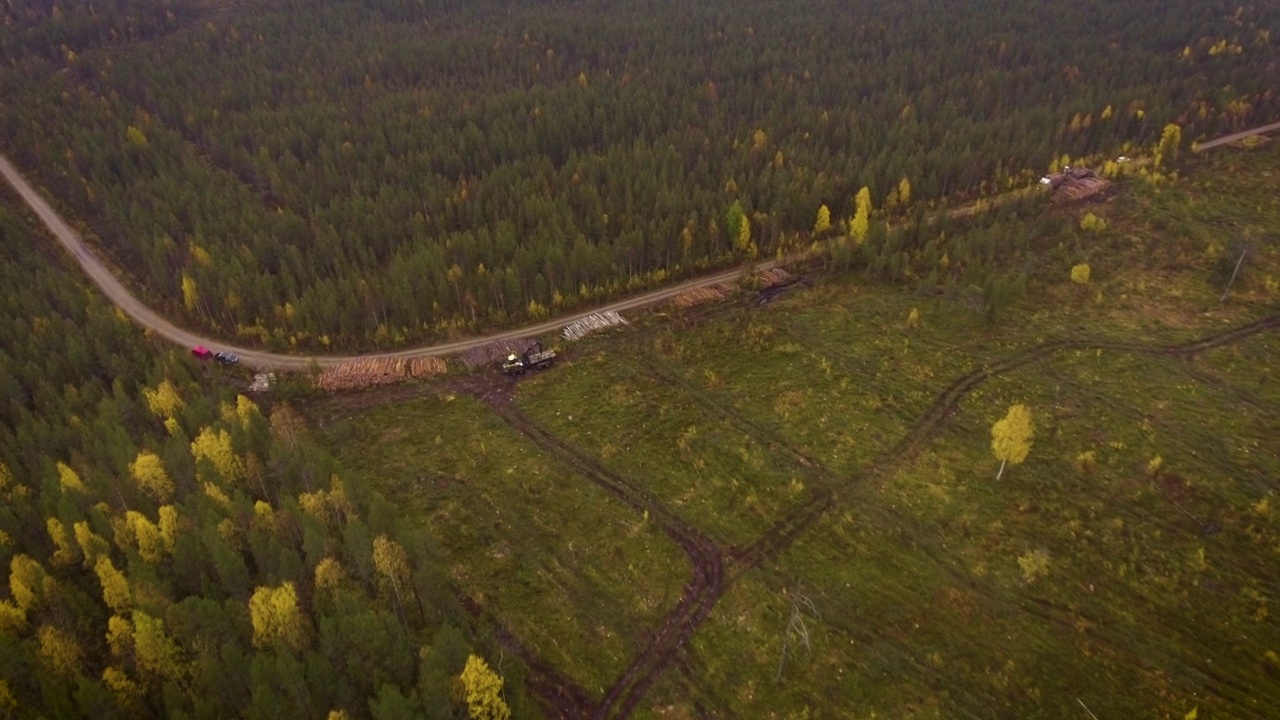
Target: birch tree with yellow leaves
<point x="1011" y="437"/>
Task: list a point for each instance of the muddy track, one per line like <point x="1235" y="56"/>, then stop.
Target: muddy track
<point x="779" y="537"/>
<point x="813" y="469"/>
<point x="562" y="697"/>
<point x="706" y="559"/>
<point x="821" y="481"/>
<point x="1219" y="384"/>
<point x="709" y="580"/>
<point x="799" y="519"/>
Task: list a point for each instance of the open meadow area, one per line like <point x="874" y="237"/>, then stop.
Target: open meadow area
<point x="791" y="509"/>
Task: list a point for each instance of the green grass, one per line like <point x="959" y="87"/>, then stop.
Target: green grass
<point x="707" y="467"/>
<point x="923" y="609"/>
<point x="1090" y="573"/>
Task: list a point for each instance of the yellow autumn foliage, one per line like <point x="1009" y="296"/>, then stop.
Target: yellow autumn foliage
<point x="68" y="479"/>
<point x="115" y="586"/>
<point x="144" y="536"/>
<point x="215" y="446"/>
<point x="329" y="575"/>
<point x="59" y="650"/>
<point x="1011" y="436"/>
<point x="125" y="690"/>
<point x="91" y="545"/>
<point x="149" y="473"/>
<point x="12" y="619"/>
<point x="860" y="225"/>
<point x="28" y="582"/>
<point x="276" y="617"/>
<point x="168" y="527"/>
<point x="119" y="636"/>
<point x="164" y="402"/>
<point x="154" y="650"/>
<point x="65" y="552"/>
<point x="483" y="688"/>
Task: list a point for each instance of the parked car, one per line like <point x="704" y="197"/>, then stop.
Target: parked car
<point x="226" y="358"/>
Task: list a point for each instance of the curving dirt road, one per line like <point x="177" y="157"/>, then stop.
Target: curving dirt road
<point x="1236" y="136"/>
<point x="148" y="318"/>
<point x="261" y="359"/>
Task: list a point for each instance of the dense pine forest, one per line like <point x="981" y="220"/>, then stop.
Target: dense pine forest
<point x="175" y="550"/>
<point x="372" y="172"/>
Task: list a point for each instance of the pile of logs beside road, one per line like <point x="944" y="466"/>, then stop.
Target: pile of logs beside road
<point x="370" y="372"/>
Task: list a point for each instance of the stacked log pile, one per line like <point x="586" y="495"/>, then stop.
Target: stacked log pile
<point x="495" y="351"/>
<point x="578" y="329"/>
<point x="422" y="367"/>
<point x="771" y="278"/>
<point x="1077" y="184"/>
<point x="774" y="277"/>
<point x="698" y="296"/>
<point x="358" y="374"/>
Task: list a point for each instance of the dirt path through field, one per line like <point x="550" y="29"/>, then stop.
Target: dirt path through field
<point x="714" y="570"/>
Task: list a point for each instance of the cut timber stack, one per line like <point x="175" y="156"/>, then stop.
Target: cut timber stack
<point x="578" y="329"/>
<point x="770" y="278"/>
<point x="422" y="367"/>
<point x="774" y="277"/>
<point x="1077" y="184"/>
<point x="495" y="351"/>
<point x="377" y="371"/>
<point x="698" y="296"/>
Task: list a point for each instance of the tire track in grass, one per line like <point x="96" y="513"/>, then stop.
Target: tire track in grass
<point x="706" y="558"/>
<point x="777" y="538"/>
<point x="1061" y="617"/>
<point x="819" y="497"/>
<point x="784" y="532"/>
<point x="714" y="570"/>
<point x="565" y="698"/>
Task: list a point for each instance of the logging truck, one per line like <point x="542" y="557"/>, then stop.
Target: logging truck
<point x="535" y="358"/>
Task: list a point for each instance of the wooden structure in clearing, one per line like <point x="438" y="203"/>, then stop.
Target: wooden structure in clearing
<point x="1076" y="183"/>
<point x="377" y="371"/>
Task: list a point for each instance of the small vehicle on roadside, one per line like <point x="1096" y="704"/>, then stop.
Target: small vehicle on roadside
<point x="226" y="358"/>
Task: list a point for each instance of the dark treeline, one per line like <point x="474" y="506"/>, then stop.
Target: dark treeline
<point x="376" y="171"/>
<point x="171" y="550"/>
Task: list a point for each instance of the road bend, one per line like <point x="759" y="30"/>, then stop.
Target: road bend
<point x="117" y="293"/>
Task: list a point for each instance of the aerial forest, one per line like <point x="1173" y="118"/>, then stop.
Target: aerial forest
<point x="173" y="549"/>
<point x="356" y="173"/>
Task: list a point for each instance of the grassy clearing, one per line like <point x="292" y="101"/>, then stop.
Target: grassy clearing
<point x="707" y="468"/>
<point x="942" y="593"/>
<point x="833" y="373"/>
<point x="584" y="594"/>
<point x="1130" y="563"/>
